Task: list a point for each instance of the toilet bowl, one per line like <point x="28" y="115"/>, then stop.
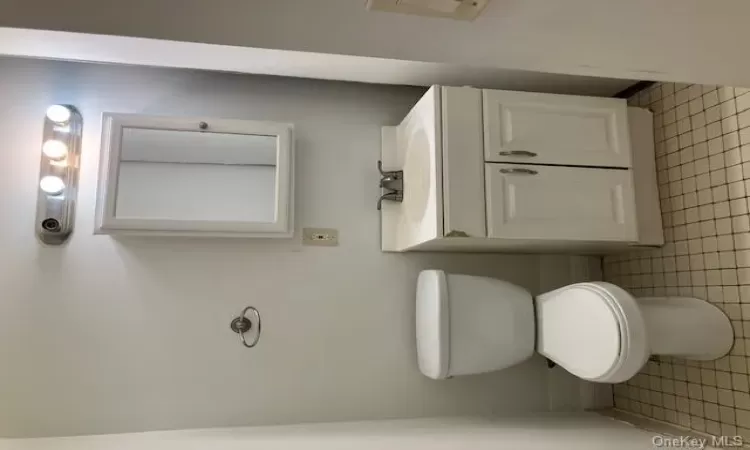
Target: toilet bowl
<point x="596" y="331"/>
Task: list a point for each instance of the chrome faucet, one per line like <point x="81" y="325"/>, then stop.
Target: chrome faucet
<point x="393" y="183"/>
<point x="392" y="196"/>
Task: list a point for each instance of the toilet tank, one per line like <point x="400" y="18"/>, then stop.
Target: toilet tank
<point x="469" y="325"/>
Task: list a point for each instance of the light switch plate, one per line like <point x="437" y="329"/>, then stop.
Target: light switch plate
<point x="448" y="9"/>
<point x="323" y="237"/>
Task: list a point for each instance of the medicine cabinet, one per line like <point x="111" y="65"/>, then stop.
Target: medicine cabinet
<point x="197" y="177"/>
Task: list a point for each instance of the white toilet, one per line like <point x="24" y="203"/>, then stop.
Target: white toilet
<point x="596" y="331"/>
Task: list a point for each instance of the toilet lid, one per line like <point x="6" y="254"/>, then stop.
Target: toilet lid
<point x="433" y="324"/>
<point x="593" y="330"/>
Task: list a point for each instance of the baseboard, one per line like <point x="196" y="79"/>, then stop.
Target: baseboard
<point x="566" y="391"/>
<point x="596" y="396"/>
<point x="558" y="270"/>
<point x="668" y="429"/>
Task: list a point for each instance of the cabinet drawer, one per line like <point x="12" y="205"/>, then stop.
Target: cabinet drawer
<point x="556" y="203"/>
<point x="555" y="129"/>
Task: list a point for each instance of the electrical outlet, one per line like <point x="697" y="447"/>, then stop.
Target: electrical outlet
<point x="324" y="237"/>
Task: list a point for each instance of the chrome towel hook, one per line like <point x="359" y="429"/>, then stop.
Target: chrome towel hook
<point x="243" y="324"/>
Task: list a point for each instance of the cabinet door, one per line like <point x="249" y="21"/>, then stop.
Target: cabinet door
<point x="555" y="129"/>
<point x="560" y="203"/>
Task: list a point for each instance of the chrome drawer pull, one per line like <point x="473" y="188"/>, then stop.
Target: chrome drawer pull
<point x="518" y="153"/>
<point x="520" y="171"/>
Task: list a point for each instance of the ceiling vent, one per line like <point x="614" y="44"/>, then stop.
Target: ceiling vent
<point x="449" y="9"/>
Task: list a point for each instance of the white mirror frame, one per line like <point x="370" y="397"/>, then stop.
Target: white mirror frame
<point x="109" y="168"/>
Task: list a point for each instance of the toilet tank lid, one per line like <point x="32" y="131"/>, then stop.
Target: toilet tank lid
<point x="433" y="324"/>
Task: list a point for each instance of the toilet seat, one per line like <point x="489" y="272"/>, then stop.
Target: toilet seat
<point x="593" y="330"/>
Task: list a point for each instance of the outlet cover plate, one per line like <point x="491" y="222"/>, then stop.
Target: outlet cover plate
<point x="323" y="237"/>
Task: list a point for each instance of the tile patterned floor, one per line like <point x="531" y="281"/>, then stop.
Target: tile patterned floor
<point x="702" y="138"/>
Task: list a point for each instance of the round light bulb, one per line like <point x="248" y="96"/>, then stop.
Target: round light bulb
<point x="55" y="149"/>
<point x="58" y="113"/>
<point x="52" y="185"/>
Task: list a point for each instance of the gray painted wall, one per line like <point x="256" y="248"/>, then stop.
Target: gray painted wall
<point x="105" y="336"/>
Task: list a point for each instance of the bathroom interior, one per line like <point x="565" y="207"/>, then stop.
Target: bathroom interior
<point x="227" y="226"/>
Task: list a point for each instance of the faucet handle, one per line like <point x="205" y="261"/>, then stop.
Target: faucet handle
<point x="392" y="196"/>
<point x="395" y="174"/>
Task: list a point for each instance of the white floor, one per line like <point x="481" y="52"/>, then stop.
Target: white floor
<point x="581" y="431"/>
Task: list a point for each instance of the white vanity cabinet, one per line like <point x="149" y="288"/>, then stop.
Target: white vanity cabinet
<point x="487" y="170"/>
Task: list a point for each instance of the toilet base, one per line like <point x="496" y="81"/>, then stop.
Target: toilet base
<point x="686" y="327"/>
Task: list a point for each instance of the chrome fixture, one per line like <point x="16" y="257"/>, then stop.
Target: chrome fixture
<point x="392" y="182"/>
<point x="521" y="171"/>
<point x="58" y="174"/>
<point x="523" y="153"/>
<point x="243" y="324"/>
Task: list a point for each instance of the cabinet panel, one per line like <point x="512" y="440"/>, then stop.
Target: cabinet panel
<point x="463" y="163"/>
<point x="555" y="129"/>
<point x="558" y="203"/>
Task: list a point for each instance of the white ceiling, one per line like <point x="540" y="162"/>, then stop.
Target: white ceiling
<point x="191" y="55"/>
<point x="673" y="40"/>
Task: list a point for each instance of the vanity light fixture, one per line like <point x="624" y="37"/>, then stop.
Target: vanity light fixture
<point x="59" y="114"/>
<point x="55" y="149"/>
<point x="52" y="185"/>
<point x="58" y="174"/>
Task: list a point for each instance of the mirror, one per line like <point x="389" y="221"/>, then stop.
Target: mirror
<point x="187" y="176"/>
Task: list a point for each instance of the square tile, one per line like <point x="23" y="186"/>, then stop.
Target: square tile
<point x="728" y="108"/>
<point x="695" y="91"/>
<point x="711" y="99"/>
<point x="740" y="382"/>
<point x="725" y="93"/>
<point x="741" y="224"/>
<point x="724" y="225"/>
<point x="743" y="102"/>
<point x="729" y="124"/>
<point x="702" y="144"/>
<point x="732" y="157"/>
<point x="681" y="97"/>
<point x="684" y="126"/>
<point x="743" y="119"/>
<point x="686" y="140"/>
<point x="721" y="209"/>
<point x="731" y="140"/>
<point x="711" y="411"/>
<point x="716" y="162"/>
<point x="712" y="427"/>
<point x="713" y="115"/>
<point x="734" y="174"/>
<point x="727" y="260"/>
<point x="711" y="394"/>
<point x="714" y="130"/>
<point x="743" y="259"/>
<point x="736" y="190"/>
<point x="743" y="418"/>
<point x="727" y="415"/>
<point x="726" y="397"/>
<point x="738" y="206"/>
<point x="744" y="136"/>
